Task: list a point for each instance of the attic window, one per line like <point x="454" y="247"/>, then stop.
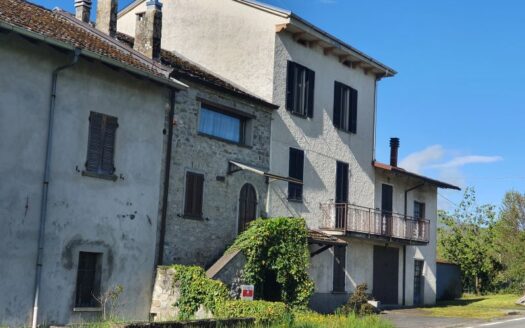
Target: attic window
<point x="140" y="16"/>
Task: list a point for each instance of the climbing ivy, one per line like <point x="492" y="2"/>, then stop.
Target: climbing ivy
<point x="196" y="289"/>
<point x="279" y="246"/>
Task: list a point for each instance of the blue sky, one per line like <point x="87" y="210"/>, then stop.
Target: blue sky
<point x="457" y="101"/>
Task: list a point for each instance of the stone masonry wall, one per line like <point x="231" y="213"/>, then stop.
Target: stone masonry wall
<point x="202" y="242"/>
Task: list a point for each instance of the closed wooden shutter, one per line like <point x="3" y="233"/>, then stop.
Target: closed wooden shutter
<point x="194" y="192"/>
<point x="310" y="91"/>
<point x="337" y="105"/>
<point x="296" y="171"/>
<point x="339" y="269"/>
<point x="290" y="85"/>
<point x="353" y="110"/>
<point x="101" y="143"/>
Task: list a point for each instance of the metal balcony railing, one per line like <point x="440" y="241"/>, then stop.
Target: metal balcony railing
<point x="351" y="218"/>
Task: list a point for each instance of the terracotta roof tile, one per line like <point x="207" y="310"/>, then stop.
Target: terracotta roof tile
<point x="62" y="27"/>
<point x="184" y="68"/>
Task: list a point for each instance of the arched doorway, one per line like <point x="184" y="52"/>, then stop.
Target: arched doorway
<point x="247" y="206"/>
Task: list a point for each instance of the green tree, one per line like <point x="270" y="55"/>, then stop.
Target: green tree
<point x="466" y="237"/>
<point x="510" y="240"/>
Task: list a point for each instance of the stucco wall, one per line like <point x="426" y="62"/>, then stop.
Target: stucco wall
<point x="117" y="218"/>
<point x="201" y="242"/>
<point x="428" y="195"/>
<point x="234" y="40"/>
<point x="322" y="143"/>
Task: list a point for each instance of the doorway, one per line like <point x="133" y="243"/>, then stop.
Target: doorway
<point x="247" y="206"/>
<point x="386" y="273"/>
<point x="419" y="281"/>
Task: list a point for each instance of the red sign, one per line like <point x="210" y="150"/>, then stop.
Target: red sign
<point x="247" y="292"/>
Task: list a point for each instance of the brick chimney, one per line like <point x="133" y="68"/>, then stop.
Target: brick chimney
<point x="107" y="16"/>
<point x="394" y="149"/>
<point x="83" y="10"/>
<point x="148" y="30"/>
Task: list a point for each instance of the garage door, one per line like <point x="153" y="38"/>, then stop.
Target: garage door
<point x="386" y="273"/>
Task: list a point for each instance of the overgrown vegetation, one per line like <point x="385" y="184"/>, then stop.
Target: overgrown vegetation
<point x="316" y="320"/>
<point x="278" y="247"/>
<point x="264" y="312"/>
<point x="489" y="248"/>
<point x="196" y="289"/>
<point x="358" y="302"/>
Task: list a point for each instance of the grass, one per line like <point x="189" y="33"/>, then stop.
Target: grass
<point x="316" y="320"/>
<point x="476" y="307"/>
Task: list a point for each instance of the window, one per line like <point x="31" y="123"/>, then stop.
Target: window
<point x="295" y="190"/>
<point x="194" y="191"/>
<point x="345" y="108"/>
<point x="222" y="125"/>
<point x="101" y="144"/>
<point x="88" y="279"/>
<point x="339" y="269"/>
<point x="419" y="210"/>
<point x="300" y="87"/>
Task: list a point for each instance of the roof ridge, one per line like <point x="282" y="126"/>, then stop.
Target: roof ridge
<point x="115" y="42"/>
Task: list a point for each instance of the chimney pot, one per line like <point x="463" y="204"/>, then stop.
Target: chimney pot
<point x="394" y="149"/>
<point x="83" y="10"/>
<point x="107" y="16"/>
<point x="148" y="30"/>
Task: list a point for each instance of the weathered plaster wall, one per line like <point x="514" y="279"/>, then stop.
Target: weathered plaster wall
<point x="234" y="40"/>
<point x="117" y="218"/>
<point x="190" y="241"/>
<point x="428" y="195"/>
<point x="322" y="143"/>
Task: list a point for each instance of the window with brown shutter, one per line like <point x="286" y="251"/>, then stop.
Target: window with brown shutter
<point x="345" y="107"/>
<point x="300" y="87"/>
<point x="194" y="193"/>
<point x="101" y="145"/>
<point x="296" y="171"/>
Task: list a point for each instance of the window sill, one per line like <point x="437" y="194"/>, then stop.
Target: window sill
<point x="224" y="140"/>
<point x="100" y="176"/>
<point x="298" y="115"/>
<point x="87" y="309"/>
<point x="293" y="200"/>
<point x="193" y="218"/>
<point x="343" y="130"/>
<point x="339" y="293"/>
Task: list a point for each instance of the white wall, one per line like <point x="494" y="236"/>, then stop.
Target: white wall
<point x="117" y="218"/>
<point x="231" y="39"/>
<point x="428" y="195"/>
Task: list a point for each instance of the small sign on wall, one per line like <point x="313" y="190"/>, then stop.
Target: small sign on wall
<point x="247" y="292"/>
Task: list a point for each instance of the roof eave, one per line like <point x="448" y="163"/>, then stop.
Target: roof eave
<point x="334" y="44"/>
<point x="437" y="183"/>
<point x="86" y="53"/>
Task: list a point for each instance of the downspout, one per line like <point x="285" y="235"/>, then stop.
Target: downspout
<point x="167" y="169"/>
<point x="375" y="121"/>
<point x="45" y="185"/>
<point x="404" y="246"/>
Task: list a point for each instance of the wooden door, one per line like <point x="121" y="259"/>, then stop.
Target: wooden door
<point x="247" y="206"/>
<point x="341" y="195"/>
<point x="386" y="274"/>
<point x="387" y="192"/>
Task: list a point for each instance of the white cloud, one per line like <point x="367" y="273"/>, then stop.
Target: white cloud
<point x="417" y="161"/>
<point x="444" y="164"/>
<point x="464" y="160"/>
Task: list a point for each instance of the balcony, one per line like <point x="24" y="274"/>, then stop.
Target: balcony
<point x="369" y="223"/>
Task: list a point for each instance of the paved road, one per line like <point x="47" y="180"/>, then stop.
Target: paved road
<point x="414" y="318"/>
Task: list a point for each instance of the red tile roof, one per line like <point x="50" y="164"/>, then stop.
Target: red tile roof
<point x="401" y="171"/>
<point x="60" y="26"/>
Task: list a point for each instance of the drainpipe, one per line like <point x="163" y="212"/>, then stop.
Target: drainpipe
<point x="45" y="185"/>
<point x="167" y="169"/>
<point x="404" y="246"/>
<point x="375" y="121"/>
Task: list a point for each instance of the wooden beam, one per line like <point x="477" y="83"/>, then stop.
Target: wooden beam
<point x="281" y="27"/>
<point x="357" y="64"/>
<point x="320" y="250"/>
<point x="298" y="36"/>
<point x="344" y="58"/>
<point x="313" y="43"/>
<point x="327" y="51"/>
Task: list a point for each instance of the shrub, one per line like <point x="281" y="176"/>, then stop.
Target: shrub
<point x="196" y="289"/>
<point x="279" y="246"/>
<point x="264" y="312"/>
<point x="358" y="302"/>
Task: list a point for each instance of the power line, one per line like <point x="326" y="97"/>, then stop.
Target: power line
<point x="448" y="200"/>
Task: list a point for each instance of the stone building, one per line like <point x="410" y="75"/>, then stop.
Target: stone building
<point x="323" y="137"/>
<point x="83" y="130"/>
